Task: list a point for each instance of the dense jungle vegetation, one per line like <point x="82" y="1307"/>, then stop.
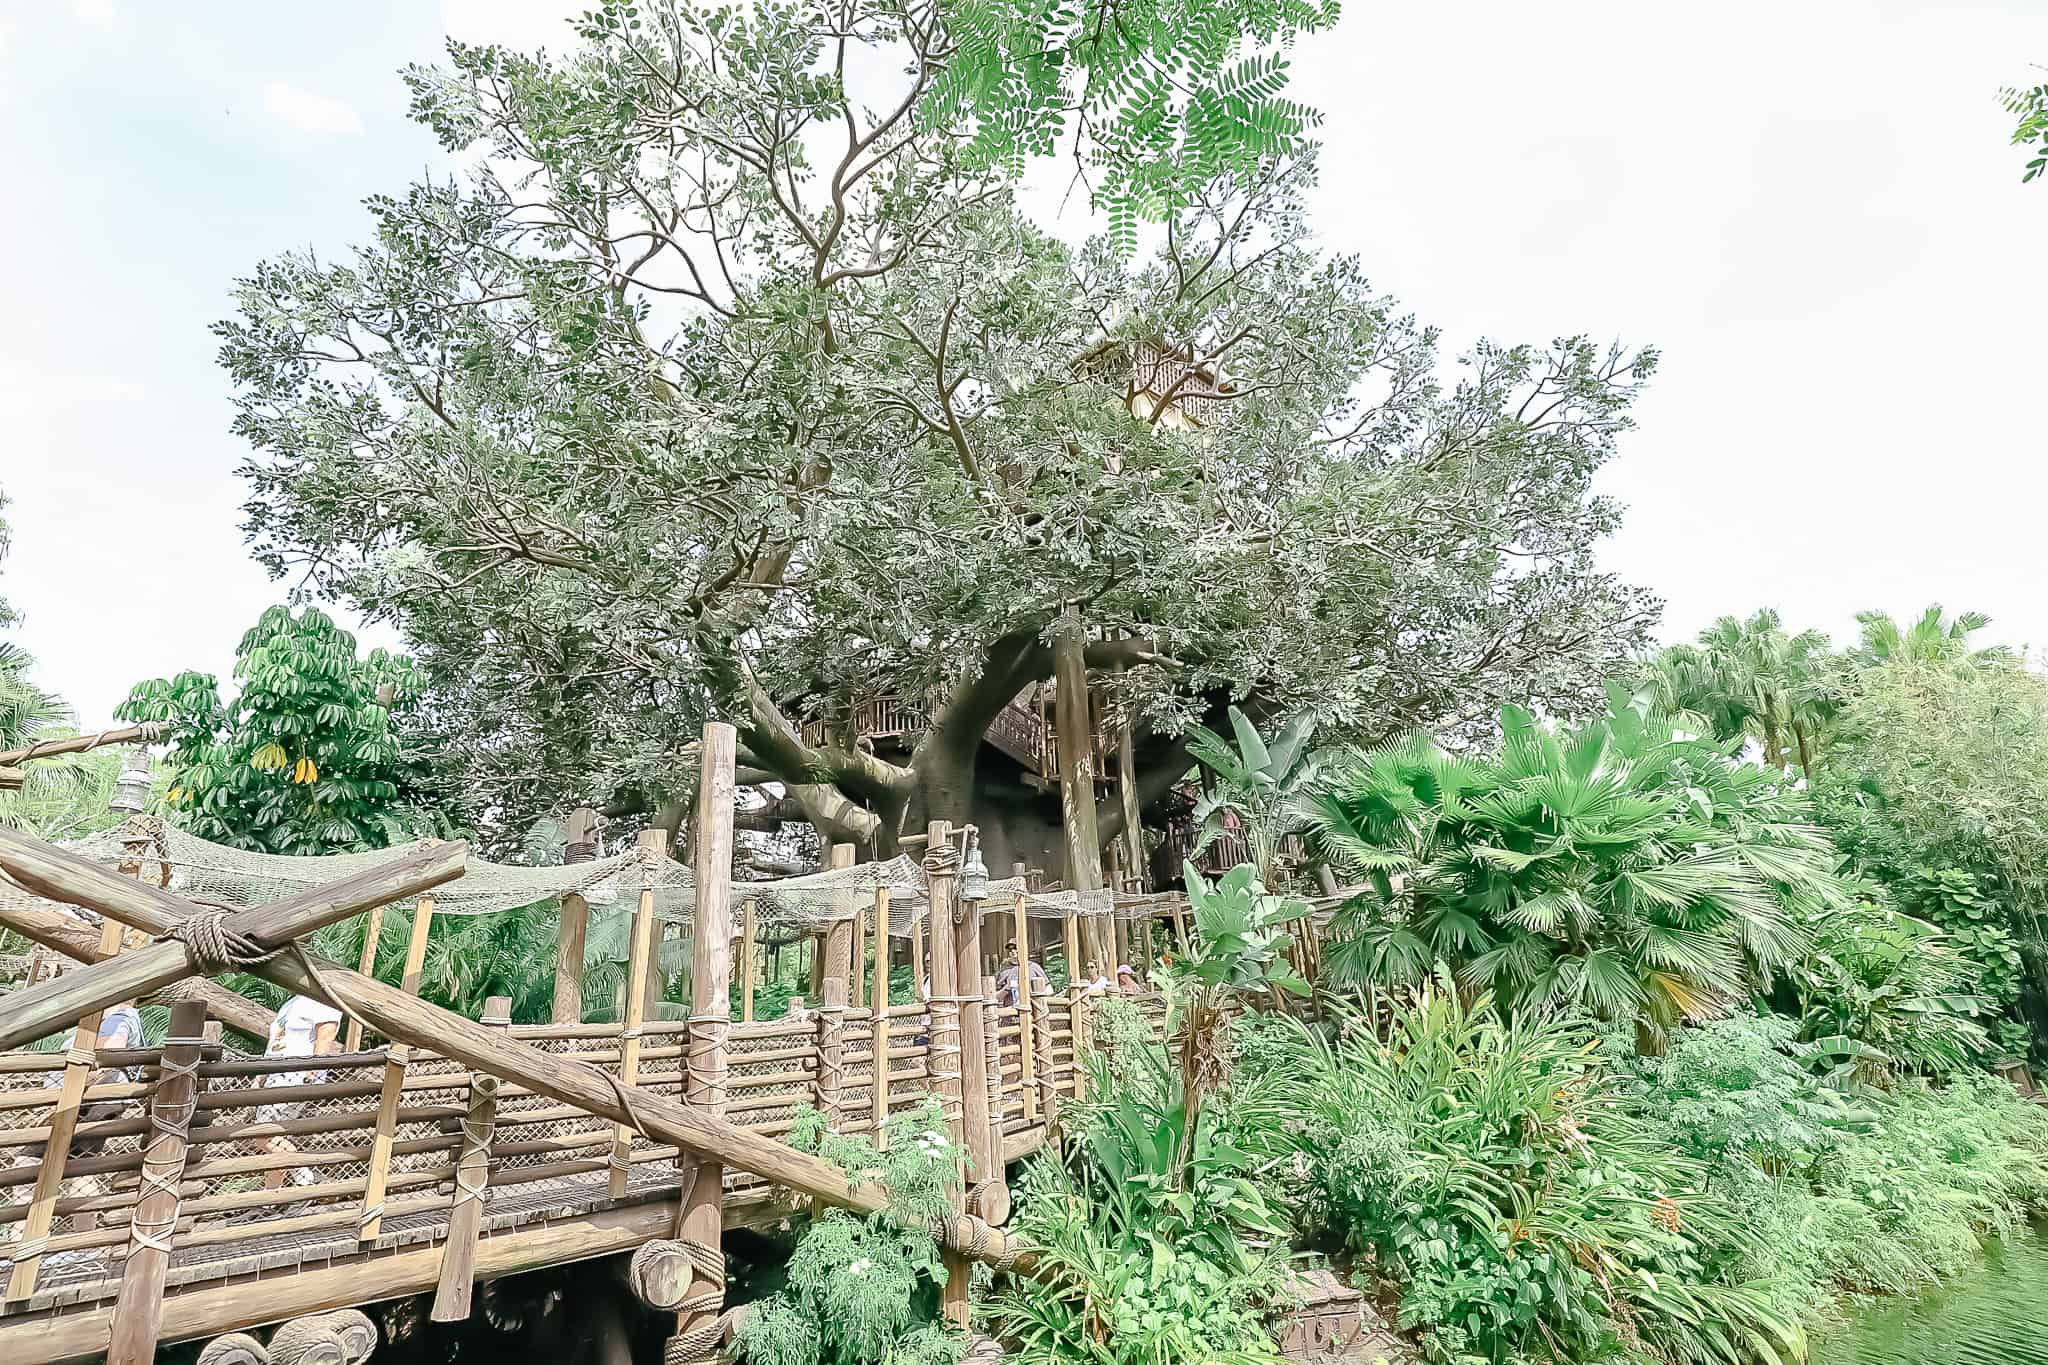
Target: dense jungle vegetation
<point x="1662" y="1004"/>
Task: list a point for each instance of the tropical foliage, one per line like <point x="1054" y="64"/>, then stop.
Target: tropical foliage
<point x="1622" y="867"/>
<point x="321" y="751"/>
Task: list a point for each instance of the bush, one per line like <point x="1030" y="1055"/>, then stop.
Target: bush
<point x="1496" y="1171"/>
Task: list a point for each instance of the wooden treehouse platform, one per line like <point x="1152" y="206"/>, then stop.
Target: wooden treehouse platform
<point x="244" y="1257"/>
<point x="187" y="1191"/>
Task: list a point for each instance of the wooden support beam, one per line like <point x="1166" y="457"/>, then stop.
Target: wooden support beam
<point x="700" y="1219"/>
<point x="1077" y="1003"/>
<point x="943" y="1060"/>
<point x="408" y="1019"/>
<point x="30" y="1014"/>
<point x="138" y="1312"/>
<point x="366" y="963"/>
<point x="79" y="941"/>
<point x="974" y="1026"/>
<point x="832" y="1006"/>
<point x="472" y="1177"/>
<point x="1074" y="733"/>
<point x="653" y="848"/>
<point x="993" y="1181"/>
<point x="878" y="1047"/>
<point x="27" y="1250"/>
<point x="371" y="1221"/>
<point x="572" y="929"/>
<point x="1020" y="928"/>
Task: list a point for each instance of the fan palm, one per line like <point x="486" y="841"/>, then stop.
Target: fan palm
<point x="1935" y="637"/>
<point x="1750" y="678"/>
<point x="1622" y="868"/>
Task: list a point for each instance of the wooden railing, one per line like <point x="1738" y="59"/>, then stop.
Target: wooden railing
<point x="350" y="1164"/>
<point x="1023" y="730"/>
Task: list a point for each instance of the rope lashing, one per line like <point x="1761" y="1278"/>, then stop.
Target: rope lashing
<point x="169" y="1123"/>
<point x="214" y="948"/>
<point x="708" y="1034"/>
<point x="473" y="1168"/>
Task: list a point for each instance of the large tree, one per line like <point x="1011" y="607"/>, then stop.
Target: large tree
<point x="731" y="380"/>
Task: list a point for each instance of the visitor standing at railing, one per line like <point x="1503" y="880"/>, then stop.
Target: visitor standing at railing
<point x="304" y="1027"/>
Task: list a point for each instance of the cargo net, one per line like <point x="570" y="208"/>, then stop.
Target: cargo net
<point x="232" y="879"/>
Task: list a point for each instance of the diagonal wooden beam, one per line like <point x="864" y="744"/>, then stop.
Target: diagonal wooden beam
<point x="408" y="1019"/>
<point x="75" y="938"/>
<point x="55" y="875"/>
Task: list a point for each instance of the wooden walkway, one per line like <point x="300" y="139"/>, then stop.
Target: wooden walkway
<point x="365" y="1209"/>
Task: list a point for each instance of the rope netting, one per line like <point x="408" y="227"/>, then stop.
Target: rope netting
<point x="232" y="879"/>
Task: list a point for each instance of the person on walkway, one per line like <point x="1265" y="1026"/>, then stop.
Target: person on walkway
<point x="1007" y="979"/>
<point x="304" y="1027"/>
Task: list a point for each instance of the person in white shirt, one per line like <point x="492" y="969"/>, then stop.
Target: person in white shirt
<point x="304" y="1027"/>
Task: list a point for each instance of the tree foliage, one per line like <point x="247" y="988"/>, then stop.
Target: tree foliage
<point x="314" y="754"/>
<point x="1748" y="678"/>
<point x="731" y="381"/>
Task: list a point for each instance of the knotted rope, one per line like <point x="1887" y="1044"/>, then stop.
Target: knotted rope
<point x="708" y="1034"/>
<point x="214" y="947"/>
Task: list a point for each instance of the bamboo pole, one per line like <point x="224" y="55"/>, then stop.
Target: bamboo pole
<point x="396" y="1058"/>
<point x="747" y="951"/>
<point x="29" y="1014"/>
<point x="653" y="848"/>
<point x="138" y="1313"/>
<point x="832" y="1004"/>
<point x="1027" y="1060"/>
<point x="72" y="937"/>
<point x="27" y="1250"/>
<point x="878" y="1048"/>
<point x="390" y="1011"/>
<point x="700" y="1217"/>
<point x="366" y="963"/>
<point x="1132" y="841"/>
<point x="572" y="929"/>
<point x="472" y="1176"/>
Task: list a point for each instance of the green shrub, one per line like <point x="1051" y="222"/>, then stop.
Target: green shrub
<point x="1494" y="1168"/>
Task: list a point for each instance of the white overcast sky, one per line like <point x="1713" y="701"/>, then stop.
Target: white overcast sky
<point x="1810" y="207"/>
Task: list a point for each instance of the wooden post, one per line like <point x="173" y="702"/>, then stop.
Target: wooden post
<point x="838" y="961"/>
<point x="653" y="848"/>
<point x="472" y="1176"/>
<point x="857" y="966"/>
<point x="941" y="868"/>
<point x="1048" y="1081"/>
<point x="1077" y="1005"/>
<point x="878" y="1046"/>
<point x="917" y="969"/>
<point x="1026" y="1022"/>
<point x="366" y="963"/>
<point x="572" y="930"/>
<point x="700" y="1219"/>
<point x="994" y="1182"/>
<point x="1132" y="840"/>
<point x="138" y="1314"/>
<point x="27" y="1250"/>
<point x="371" y="1221"/>
<point x="1074" y="733"/>
<point x="747" y="950"/>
